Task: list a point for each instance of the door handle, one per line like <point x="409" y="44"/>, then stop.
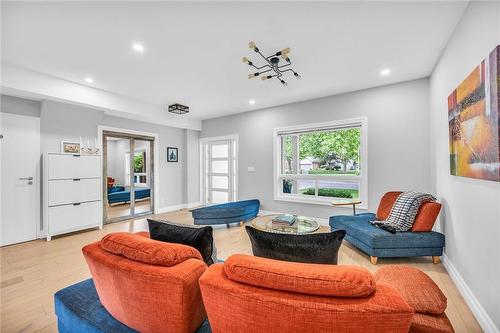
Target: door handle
<point x="26" y="178"/>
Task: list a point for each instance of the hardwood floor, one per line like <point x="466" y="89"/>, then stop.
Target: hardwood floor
<point x="32" y="272"/>
<point x="123" y="209"/>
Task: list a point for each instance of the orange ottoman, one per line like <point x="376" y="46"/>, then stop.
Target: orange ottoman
<point x="422" y="294"/>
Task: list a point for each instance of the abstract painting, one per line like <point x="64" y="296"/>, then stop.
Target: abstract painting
<point x="474" y="122"/>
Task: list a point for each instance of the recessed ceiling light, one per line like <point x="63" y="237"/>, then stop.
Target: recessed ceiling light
<point x="89" y="80"/>
<point x="138" y="47"/>
<point x="385" y="72"/>
<point x="251" y="102"/>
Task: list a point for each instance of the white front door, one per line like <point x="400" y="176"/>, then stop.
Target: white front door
<point x="20" y="178"/>
<point x="220" y="171"/>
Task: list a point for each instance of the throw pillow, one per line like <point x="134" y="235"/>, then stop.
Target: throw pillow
<point x="199" y="237"/>
<point x="319" y="248"/>
<point x="404" y="210"/>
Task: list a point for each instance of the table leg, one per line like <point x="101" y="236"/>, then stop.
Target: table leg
<point x="354" y="209"/>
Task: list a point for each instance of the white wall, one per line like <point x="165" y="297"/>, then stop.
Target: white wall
<point x="20" y="106"/>
<point x="62" y="121"/>
<point x="398" y="141"/>
<point x="471" y="216"/>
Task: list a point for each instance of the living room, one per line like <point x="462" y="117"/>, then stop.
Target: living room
<point x="339" y="157"/>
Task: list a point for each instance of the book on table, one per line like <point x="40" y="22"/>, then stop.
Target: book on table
<point x="284" y="219"/>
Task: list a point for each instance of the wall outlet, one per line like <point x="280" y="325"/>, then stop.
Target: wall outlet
<point x="251" y="169"/>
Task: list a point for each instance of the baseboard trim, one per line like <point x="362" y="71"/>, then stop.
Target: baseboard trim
<point x="477" y="309"/>
<point x="321" y="221"/>
<point x="173" y="208"/>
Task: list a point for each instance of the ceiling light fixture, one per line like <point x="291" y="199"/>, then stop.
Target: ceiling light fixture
<point x="251" y="102"/>
<point x="275" y="66"/>
<point x="385" y="72"/>
<point x="89" y="80"/>
<point x="138" y="47"/>
<point x="178" y="108"/>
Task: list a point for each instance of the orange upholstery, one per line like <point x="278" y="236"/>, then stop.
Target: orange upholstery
<point x="425" y="218"/>
<point x="419" y="291"/>
<point x="240" y="307"/>
<point x="431" y="324"/>
<point x="385" y="205"/>
<point x="146" y="297"/>
<point x="422" y="294"/>
<point x="146" y="250"/>
<point x="312" y="279"/>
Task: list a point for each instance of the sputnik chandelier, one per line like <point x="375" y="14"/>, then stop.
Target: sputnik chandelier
<point x="275" y="66"/>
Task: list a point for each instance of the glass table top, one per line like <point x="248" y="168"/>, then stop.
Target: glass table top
<point x="302" y="225"/>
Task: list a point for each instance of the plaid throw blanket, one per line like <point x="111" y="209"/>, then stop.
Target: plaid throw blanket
<point x="403" y="211"/>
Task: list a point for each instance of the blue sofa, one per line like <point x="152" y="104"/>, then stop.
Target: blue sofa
<point x="79" y="310"/>
<point x="378" y="243"/>
<point x="231" y="212"/>
<point x="118" y="194"/>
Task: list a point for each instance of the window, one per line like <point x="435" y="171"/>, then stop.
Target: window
<point x="317" y="163"/>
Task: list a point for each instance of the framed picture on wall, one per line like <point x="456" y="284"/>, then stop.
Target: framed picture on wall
<point x="172" y="154"/>
<point x="69" y="147"/>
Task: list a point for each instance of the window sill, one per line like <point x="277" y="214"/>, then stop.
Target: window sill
<point x="320" y="202"/>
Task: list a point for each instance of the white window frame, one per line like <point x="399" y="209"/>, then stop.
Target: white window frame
<point x="362" y="179"/>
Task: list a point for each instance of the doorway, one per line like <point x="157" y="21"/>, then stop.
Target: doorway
<point x="219" y="170"/>
<point x="20" y="178"/>
<point x="128" y="175"/>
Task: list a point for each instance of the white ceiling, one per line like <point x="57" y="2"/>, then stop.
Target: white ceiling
<point x="193" y="50"/>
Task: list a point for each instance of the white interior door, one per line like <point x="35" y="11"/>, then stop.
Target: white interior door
<point x="220" y="167"/>
<point x="20" y="173"/>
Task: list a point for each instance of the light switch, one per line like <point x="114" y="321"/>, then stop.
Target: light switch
<point x="251" y="169"/>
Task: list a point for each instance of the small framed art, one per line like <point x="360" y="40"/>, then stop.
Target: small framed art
<point x="69" y="147"/>
<point x="172" y="154"/>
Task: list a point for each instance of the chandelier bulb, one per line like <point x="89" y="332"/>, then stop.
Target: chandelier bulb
<point x="245" y="60"/>
<point x="297" y="75"/>
<point x="284" y="83"/>
<point x="252" y="45"/>
<point x="251" y="76"/>
<point x="285" y="51"/>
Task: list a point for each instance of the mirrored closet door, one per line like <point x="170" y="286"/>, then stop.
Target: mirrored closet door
<point x="129" y="181"/>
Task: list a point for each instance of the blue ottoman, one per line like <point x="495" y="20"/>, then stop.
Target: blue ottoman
<point x="377" y="242"/>
<point x="230" y="212"/>
<point x="79" y="310"/>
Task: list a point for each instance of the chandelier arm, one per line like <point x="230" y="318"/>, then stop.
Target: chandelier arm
<point x="260" y="67"/>
<point x="265" y="71"/>
<point x="287" y="64"/>
<point x="288" y="70"/>
<point x="283" y="66"/>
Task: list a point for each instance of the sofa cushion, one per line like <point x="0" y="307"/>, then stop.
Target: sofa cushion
<point x="426" y="216"/>
<point x="143" y="249"/>
<point x="416" y="287"/>
<point x="317" y="248"/>
<point x="376" y="238"/>
<point x="311" y="279"/>
<point x="424" y="323"/>
<point x="201" y="238"/>
<point x="385" y="205"/>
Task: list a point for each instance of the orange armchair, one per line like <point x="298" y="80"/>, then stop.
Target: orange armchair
<point x="148" y="285"/>
<point x="252" y="294"/>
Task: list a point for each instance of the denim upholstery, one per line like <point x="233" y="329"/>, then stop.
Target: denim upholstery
<point x="79" y="310"/>
<point x="380" y="243"/>
<point x="227" y="213"/>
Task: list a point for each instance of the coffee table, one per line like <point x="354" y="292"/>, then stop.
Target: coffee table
<point x="303" y="225"/>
